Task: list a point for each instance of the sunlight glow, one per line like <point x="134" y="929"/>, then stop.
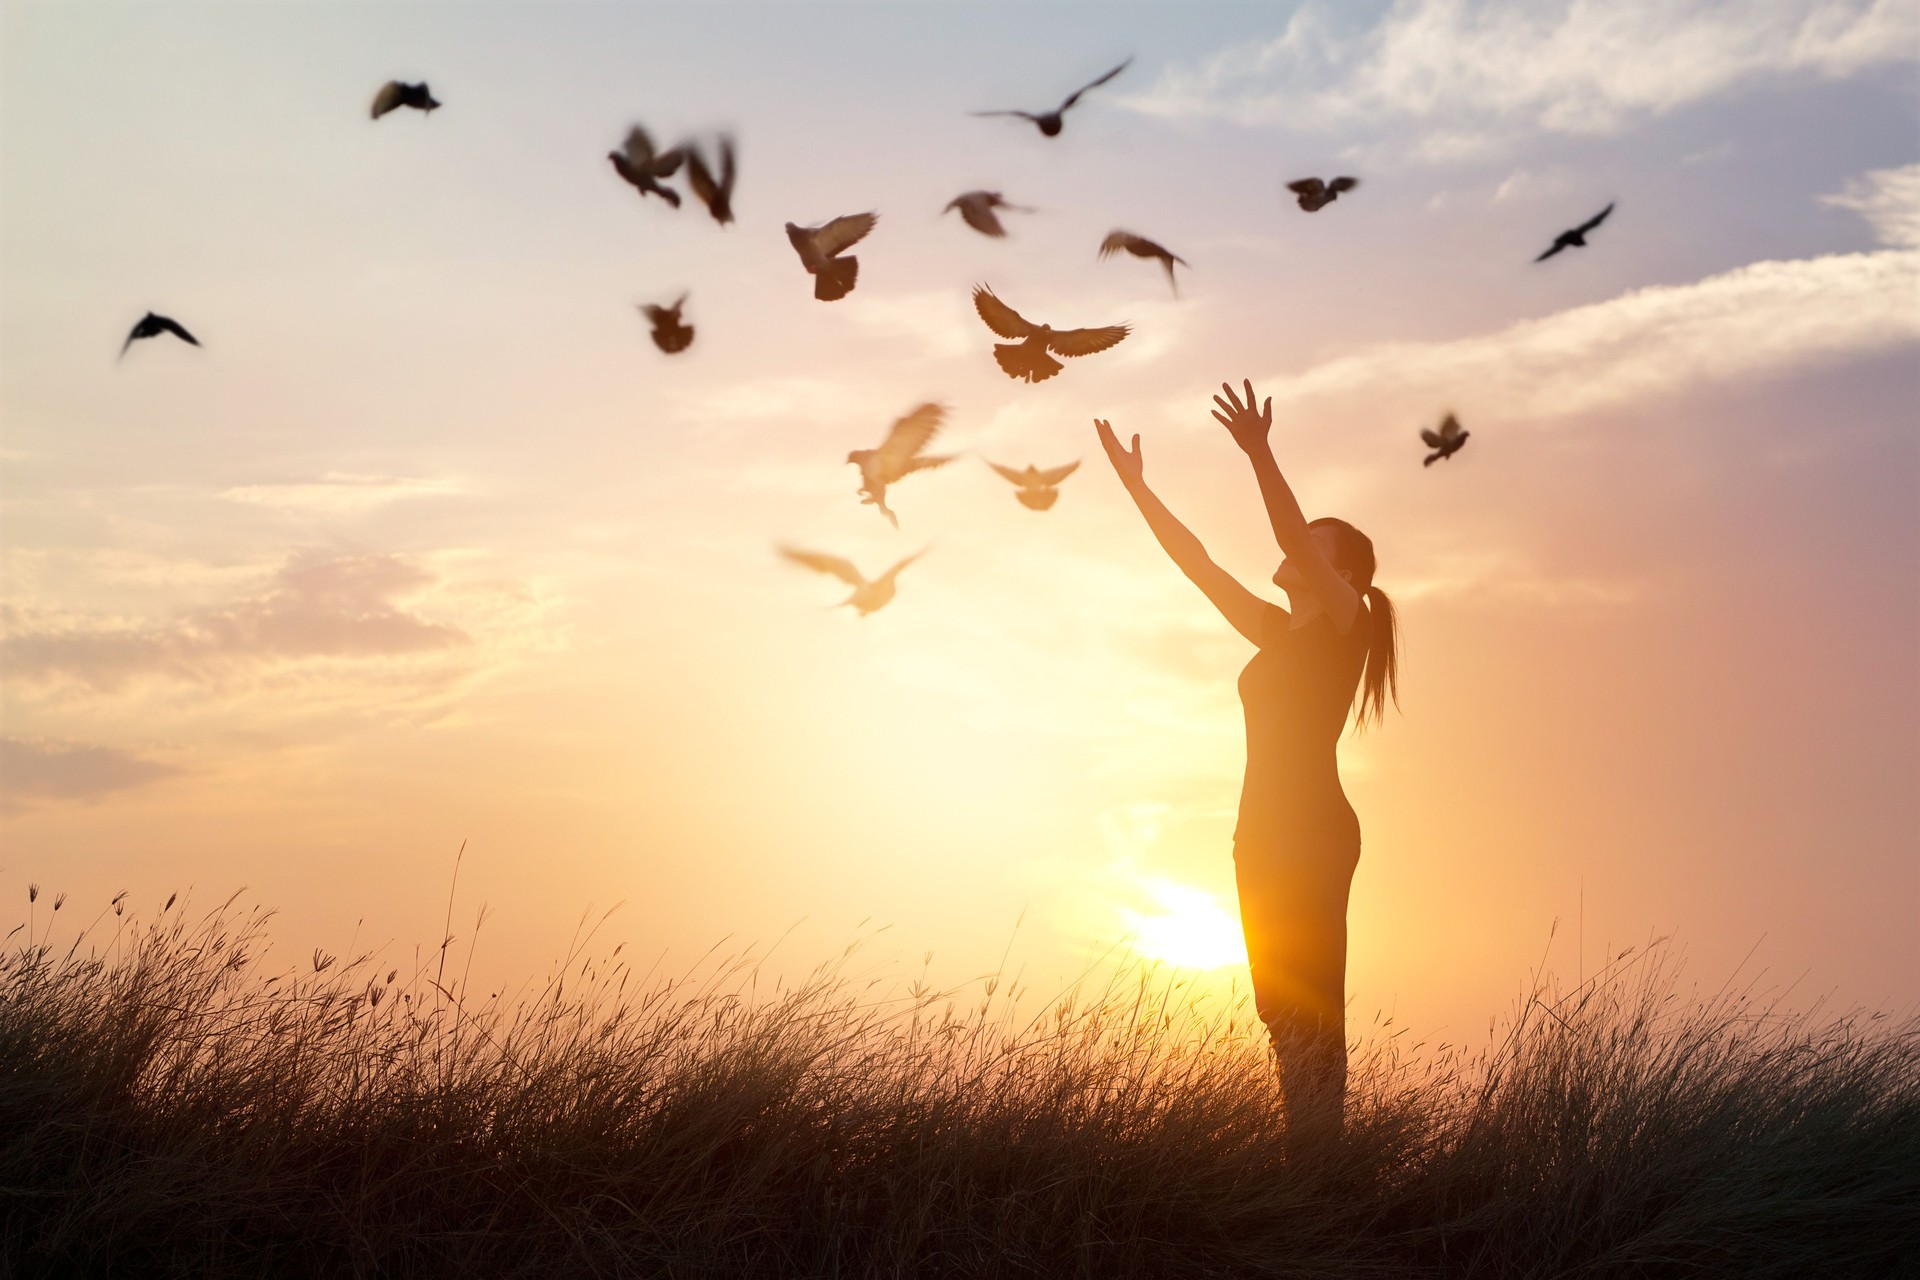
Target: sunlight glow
<point x="1189" y="928"/>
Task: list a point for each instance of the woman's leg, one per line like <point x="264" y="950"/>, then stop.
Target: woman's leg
<point x="1296" y="931"/>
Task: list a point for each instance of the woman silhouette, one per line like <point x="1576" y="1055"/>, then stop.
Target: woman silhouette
<point x="1298" y="841"/>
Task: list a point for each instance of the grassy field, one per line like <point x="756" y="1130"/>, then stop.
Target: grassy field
<point x="169" y="1108"/>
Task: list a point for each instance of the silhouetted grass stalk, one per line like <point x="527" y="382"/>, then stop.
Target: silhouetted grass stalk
<point x="167" y="1108"/>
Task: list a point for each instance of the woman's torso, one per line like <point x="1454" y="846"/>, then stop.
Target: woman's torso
<point x="1297" y="693"/>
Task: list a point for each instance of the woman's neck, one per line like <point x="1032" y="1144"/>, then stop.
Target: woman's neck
<point x="1302" y="611"/>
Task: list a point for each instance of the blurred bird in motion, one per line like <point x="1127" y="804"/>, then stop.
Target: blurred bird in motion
<point x="867" y="596"/>
<point x="393" y="95"/>
<point x="1576" y="238"/>
<point x="1315" y="194"/>
<point x="715" y="193"/>
<point x="1445" y="442"/>
<point x="1141" y="247"/>
<point x="820" y="248"/>
<point x="1049" y="121"/>
<point x="977" y="208"/>
<point x="1038" y="489"/>
<point x="1029" y="358"/>
<point x="152" y="325"/>
<point x="643" y="167"/>
<point x="669" y="334"/>
<point x="898" y="456"/>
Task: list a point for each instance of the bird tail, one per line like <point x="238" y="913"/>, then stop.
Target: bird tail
<point x="1023" y="361"/>
<point x="835" y="280"/>
<point x="1431" y="458"/>
<point x="1037" y="499"/>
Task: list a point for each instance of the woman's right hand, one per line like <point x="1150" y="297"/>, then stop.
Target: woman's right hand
<point x="1127" y="462"/>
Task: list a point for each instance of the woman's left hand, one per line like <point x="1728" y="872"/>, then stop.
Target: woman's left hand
<point x="1247" y="425"/>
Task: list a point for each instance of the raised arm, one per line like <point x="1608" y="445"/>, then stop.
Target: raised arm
<point x="1249" y="427"/>
<point x="1239" y="606"/>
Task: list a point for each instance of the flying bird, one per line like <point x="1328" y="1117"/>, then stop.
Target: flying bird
<point x="977" y="208"/>
<point x="1141" y="247"/>
<point x="1037" y="489"/>
<point x="867" y="596"/>
<point x="1315" y="195"/>
<point x="393" y="95"/>
<point x="819" y="249"/>
<point x="669" y="334"/>
<point x="152" y="325"/>
<point x="1445" y="442"/>
<point x="643" y="167"/>
<point x="898" y="456"/>
<point x="1576" y="238"/>
<point x="716" y="194"/>
<point x="1029" y="357"/>
<point x="1049" y="121"/>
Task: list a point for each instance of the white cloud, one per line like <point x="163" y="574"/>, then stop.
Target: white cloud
<point x="1889" y="199"/>
<point x="1469" y="76"/>
<point x="344" y="493"/>
<point x="1764" y="318"/>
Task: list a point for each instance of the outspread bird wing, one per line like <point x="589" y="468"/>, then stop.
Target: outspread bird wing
<point x="979" y="215"/>
<point x="1018" y="477"/>
<point x="390" y="97"/>
<point x="925" y="464"/>
<point x="1449" y="427"/>
<point x="1084" y="342"/>
<point x="1054" y="475"/>
<point x="1343" y="184"/>
<point x="175" y="328"/>
<point x="1000" y="317"/>
<point x="843" y="233"/>
<point x="715" y="194"/>
<point x="1595" y="220"/>
<point x="1120" y="241"/>
<point x="1094" y="84"/>
<point x="908" y="437"/>
<point x="838" y="566"/>
<point x="1432" y="439"/>
<point x="1308" y="187"/>
<point x="890" y="574"/>
<point x="1558" y="245"/>
<point x="638" y="148"/>
<point x="1024" y="115"/>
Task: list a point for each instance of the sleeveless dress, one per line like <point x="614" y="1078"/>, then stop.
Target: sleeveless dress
<point x="1298" y="840"/>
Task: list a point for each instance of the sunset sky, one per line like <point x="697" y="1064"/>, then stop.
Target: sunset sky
<point x="429" y="544"/>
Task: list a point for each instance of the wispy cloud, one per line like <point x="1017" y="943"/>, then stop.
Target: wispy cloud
<point x="344" y="493"/>
<point x="1470" y="77"/>
<point x="1889" y="199"/>
<point x="316" y="606"/>
<point x="32" y="770"/>
<point x="1764" y="318"/>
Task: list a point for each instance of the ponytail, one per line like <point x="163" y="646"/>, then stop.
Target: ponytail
<point x="1381" y="679"/>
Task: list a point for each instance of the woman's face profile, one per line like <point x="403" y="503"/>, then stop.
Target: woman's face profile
<point x="1288" y="578"/>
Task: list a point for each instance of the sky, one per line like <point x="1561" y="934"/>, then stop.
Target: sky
<point x="427" y="545"/>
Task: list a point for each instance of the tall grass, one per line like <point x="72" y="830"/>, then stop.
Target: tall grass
<point x="167" y="1108"/>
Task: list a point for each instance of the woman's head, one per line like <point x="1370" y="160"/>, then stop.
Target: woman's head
<point x="1350" y="552"/>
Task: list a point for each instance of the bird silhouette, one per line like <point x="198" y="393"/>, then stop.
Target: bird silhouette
<point x="643" y="167"/>
<point x="1315" y="194"/>
<point x="393" y="95"/>
<point x="1576" y="238"/>
<point x="1038" y="489"/>
<point x="898" y="456"/>
<point x="820" y="248"/>
<point x="152" y="325"/>
<point x="1029" y="358"/>
<point x="1049" y="121"/>
<point x="1445" y="442"/>
<point x="977" y="208"/>
<point x="716" y="194"/>
<point x="669" y="334"/>
<point x="867" y="596"/>
<point x="1141" y="247"/>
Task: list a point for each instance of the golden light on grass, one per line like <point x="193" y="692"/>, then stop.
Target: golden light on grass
<point x="1187" y="927"/>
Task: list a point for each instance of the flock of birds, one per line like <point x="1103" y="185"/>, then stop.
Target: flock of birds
<point x="1026" y="355"/>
